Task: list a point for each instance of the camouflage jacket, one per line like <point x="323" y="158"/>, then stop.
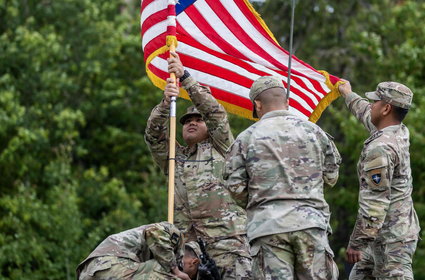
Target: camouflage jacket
<point x="276" y="169"/>
<point x="161" y="241"/>
<point x="386" y="212"/>
<point x="203" y="207"/>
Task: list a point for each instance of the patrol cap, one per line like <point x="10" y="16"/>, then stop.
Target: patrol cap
<point x="191" y="111"/>
<point x="393" y="93"/>
<point x="262" y="84"/>
<point x="195" y="247"/>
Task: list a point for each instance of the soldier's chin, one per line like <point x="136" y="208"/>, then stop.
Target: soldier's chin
<point x="190" y="137"/>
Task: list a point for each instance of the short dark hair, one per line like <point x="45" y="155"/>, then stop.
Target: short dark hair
<point x="272" y="96"/>
<point x="400" y="113"/>
<point x="190" y="251"/>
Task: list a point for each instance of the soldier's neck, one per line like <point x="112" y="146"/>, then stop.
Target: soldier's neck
<point x="385" y="123"/>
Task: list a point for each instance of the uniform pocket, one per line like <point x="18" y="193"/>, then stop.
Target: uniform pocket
<point x="376" y="173"/>
<point x="331" y="266"/>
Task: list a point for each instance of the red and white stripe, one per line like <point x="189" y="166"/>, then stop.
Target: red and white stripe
<point x="224" y="46"/>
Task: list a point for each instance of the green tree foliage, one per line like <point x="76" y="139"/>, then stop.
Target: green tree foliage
<point x="73" y="107"/>
<point x="365" y="42"/>
<point x="74" y="100"/>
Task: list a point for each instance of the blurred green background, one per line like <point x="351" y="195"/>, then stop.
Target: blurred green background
<point x="74" y="100"/>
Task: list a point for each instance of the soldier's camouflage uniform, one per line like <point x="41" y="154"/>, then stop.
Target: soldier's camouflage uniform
<point x="387" y="226"/>
<point x="276" y="170"/>
<point x="203" y="207"/>
<point x="146" y="252"/>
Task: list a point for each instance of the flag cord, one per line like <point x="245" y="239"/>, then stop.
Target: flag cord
<point x="290" y="50"/>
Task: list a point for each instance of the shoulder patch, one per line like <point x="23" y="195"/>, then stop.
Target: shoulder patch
<point x="174" y="239"/>
<point x="376" y="163"/>
<point x="376" y="178"/>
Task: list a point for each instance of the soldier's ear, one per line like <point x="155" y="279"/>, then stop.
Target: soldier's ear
<point x="258" y="106"/>
<point x="388" y="109"/>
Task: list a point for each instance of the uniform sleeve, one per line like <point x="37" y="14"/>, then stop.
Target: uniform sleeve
<point x="360" y="108"/>
<point x="213" y="113"/>
<point x="161" y="247"/>
<point x="332" y="163"/>
<point x="374" y="196"/>
<point x="156" y="135"/>
<point x="235" y="174"/>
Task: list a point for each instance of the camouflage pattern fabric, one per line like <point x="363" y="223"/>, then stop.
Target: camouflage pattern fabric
<point x="393" y="261"/>
<point x="262" y="84"/>
<point x="195" y="247"/>
<point x="162" y="242"/>
<point x="203" y="207"/>
<point x="111" y="268"/>
<point x="386" y="212"/>
<point x="190" y="111"/>
<point x="276" y="169"/>
<point x="294" y="255"/>
<point x="393" y="93"/>
<point x="236" y="265"/>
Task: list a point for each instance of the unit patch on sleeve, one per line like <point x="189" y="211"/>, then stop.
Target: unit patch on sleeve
<point x="376" y="178"/>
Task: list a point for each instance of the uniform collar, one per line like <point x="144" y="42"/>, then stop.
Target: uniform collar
<point x="378" y="133"/>
<point x="276" y="113"/>
<point x="192" y="150"/>
<point x="392" y="128"/>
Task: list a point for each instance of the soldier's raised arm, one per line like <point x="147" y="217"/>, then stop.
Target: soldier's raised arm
<point x="212" y="112"/>
<point x="358" y="106"/>
<point x="156" y="133"/>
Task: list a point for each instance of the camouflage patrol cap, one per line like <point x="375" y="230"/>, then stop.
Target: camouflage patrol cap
<point x="393" y="93"/>
<point x="191" y="111"/>
<point x="195" y="247"/>
<point x="262" y="84"/>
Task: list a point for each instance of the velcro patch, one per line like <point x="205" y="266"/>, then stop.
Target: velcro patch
<point x="376" y="178"/>
<point x="175" y="238"/>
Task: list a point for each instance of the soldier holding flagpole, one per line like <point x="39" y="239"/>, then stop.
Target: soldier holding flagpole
<point x="203" y="207"/>
<point x="386" y="232"/>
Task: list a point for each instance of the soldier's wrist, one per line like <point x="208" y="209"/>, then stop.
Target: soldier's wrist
<point x="174" y="269"/>
<point x="357" y="245"/>
<point x="165" y="102"/>
<point x="185" y="75"/>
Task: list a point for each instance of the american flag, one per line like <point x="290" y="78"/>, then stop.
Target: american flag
<point x="225" y="45"/>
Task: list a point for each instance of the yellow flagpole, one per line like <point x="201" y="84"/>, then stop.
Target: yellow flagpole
<point x="172" y="150"/>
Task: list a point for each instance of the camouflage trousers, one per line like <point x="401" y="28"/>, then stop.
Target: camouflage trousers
<point x="301" y="255"/>
<point x="114" y="268"/>
<point x="232" y="257"/>
<point x="385" y="261"/>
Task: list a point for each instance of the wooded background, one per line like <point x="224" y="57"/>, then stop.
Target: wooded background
<point x="74" y="100"/>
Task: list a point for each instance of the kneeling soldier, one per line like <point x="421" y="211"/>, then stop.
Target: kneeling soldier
<point x="146" y="252"/>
